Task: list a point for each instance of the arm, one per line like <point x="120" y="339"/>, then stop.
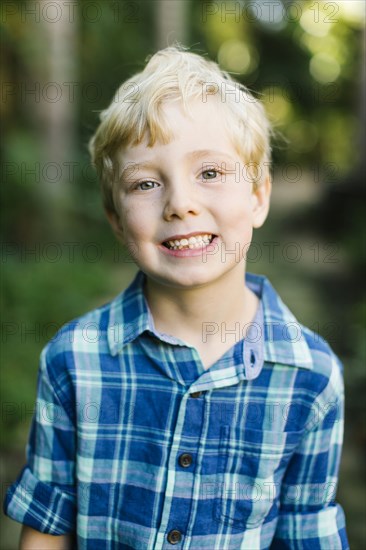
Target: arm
<point x="30" y="539"/>
<point x="44" y="495"/>
<point x="309" y="516"/>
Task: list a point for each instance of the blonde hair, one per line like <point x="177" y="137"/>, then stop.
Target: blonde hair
<point x="175" y="74"/>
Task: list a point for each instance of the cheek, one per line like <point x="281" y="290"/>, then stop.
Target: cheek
<point x="236" y="196"/>
<point x="136" y="223"/>
<point x="235" y="213"/>
<point x="237" y="225"/>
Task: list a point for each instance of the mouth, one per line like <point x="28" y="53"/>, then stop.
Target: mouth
<point x="189" y="242"/>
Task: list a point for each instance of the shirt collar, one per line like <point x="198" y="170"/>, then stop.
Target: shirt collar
<point x="284" y="341"/>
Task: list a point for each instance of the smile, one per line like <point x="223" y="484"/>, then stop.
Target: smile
<point x="198" y="241"/>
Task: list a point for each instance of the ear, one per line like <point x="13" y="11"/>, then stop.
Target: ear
<point x="261" y="200"/>
<point x="115" y="223"/>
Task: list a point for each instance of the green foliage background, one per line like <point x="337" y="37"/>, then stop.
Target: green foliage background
<point x="320" y="123"/>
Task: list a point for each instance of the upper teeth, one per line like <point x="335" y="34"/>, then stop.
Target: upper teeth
<point x="192" y="242"/>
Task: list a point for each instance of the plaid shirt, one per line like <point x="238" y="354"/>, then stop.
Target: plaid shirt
<point x="134" y="445"/>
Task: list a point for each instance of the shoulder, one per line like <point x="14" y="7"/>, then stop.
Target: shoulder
<point x="81" y="340"/>
<point x="313" y="370"/>
<point x="318" y="368"/>
<point x="325" y="363"/>
<point x="291" y="344"/>
<point x="322" y="354"/>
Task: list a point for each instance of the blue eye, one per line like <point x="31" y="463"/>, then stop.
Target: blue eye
<point x="146" y="185"/>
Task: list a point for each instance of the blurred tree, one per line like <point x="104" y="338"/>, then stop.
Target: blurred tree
<point x="58" y="108"/>
<point x="171" y="20"/>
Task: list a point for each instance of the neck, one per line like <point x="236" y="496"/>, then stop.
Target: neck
<point x="184" y="312"/>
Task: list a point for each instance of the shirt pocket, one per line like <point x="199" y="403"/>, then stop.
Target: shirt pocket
<point x="250" y="467"/>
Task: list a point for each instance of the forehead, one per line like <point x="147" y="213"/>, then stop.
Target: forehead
<point x="200" y="132"/>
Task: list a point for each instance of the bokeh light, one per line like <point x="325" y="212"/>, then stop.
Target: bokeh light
<point x="270" y="14"/>
<point x="237" y="57"/>
<point x="354" y="12"/>
<point x="324" y="68"/>
<point x="277" y="105"/>
<point x="316" y="23"/>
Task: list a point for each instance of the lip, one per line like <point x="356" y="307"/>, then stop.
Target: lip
<point x="187" y="235"/>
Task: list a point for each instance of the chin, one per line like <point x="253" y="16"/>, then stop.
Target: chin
<point x="187" y="280"/>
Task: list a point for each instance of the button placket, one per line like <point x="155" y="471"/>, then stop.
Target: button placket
<point x="185" y="460"/>
<point x="174" y="536"/>
<point x="195" y="394"/>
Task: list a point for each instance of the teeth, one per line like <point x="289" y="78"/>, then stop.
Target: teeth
<point x="193" y="242"/>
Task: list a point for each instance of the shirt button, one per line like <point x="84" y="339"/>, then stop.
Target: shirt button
<point x="195" y="394"/>
<point x="174" y="536"/>
<point x="185" y="460"/>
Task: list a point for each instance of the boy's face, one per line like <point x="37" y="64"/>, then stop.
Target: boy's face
<point x="196" y="184"/>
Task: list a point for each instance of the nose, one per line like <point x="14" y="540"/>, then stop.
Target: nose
<point x="181" y="201"/>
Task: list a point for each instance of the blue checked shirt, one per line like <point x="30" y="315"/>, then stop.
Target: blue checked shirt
<point x="134" y="445"/>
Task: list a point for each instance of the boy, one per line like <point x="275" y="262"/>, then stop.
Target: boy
<point x="197" y="412"/>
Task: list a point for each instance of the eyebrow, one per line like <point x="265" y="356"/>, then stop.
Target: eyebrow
<point x="191" y="155"/>
<point x="207" y="152"/>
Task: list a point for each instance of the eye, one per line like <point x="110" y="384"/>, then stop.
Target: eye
<point x="146" y="185"/>
<point x="211" y="174"/>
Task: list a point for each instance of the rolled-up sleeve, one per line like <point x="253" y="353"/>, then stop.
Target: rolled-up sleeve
<point x="43" y="496"/>
<point x="309" y="516"/>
